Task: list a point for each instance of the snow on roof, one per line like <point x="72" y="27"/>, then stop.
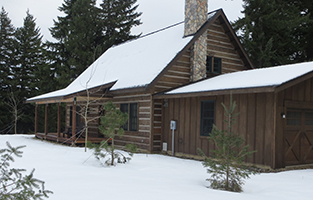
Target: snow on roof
<point x="272" y="76"/>
<point x="131" y="64"/>
<point x="137" y="62"/>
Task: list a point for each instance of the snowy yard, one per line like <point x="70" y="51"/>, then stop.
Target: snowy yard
<point x="152" y="177"/>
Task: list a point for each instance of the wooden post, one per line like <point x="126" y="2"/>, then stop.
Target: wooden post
<point x="74" y="122"/>
<point x="36" y="118"/>
<point x="59" y="120"/>
<point x="46" y="121"/>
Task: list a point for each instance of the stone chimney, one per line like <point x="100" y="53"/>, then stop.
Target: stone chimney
<point x="196" y="14"/>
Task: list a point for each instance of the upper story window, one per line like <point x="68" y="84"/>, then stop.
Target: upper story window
<point x="214" y="65"/>
<point x="132" y="110"/>
<point x="207" y="117"/>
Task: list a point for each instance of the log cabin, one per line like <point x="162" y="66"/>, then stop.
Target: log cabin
<point x="172" y="83"/>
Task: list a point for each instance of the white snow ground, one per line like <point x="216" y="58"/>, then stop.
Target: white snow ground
<point x="152" y="177"/>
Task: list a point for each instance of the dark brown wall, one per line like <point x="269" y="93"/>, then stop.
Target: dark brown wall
<point x="299" y="96"/>
<point x="255" y="123"/>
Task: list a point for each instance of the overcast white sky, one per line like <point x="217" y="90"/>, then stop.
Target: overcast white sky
<point x="46" y="10"/>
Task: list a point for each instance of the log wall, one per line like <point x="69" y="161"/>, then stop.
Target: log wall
<point x="141" y="137"/>
<point x="219" y="45"/>
<point x="177" y="75"/>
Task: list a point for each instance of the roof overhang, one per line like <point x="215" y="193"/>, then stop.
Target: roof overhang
<point x="99" y="92"/>
<point x="245" y="90"/>
<point x="216" y="92"/>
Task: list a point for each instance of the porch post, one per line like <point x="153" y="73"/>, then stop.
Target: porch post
<point x="36" y="118"/>
<point x="74" y="122"/>
<point x="46" y="121"/>
<point x="59" y="120"/>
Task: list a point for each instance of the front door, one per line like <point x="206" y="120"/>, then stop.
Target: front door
<point x="299" y="137"/>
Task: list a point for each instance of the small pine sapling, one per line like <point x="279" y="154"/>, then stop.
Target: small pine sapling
<point x="13" y="183"/>
<point x="226" y="165"/>
<point x="111" y="126"/>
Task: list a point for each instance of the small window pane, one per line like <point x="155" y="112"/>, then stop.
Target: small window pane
<point x="209" y="64"/>
<point x="133" y="117"/>
<point x="217" y="65"/>
<point x="207" y="117"/>
<point x="293" y="118"/>
<point x="124" y="109"/>
<point x="309" y="118"/>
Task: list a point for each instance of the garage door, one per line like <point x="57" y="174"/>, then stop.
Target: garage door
<point x="299" y="137"/>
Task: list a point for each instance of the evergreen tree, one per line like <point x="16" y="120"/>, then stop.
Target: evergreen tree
<point x="226" y="165"/>
<point x="29" y="53"/>
<point x="14" y="184"/>
<point x="118" y="17"/>
<point x="274" y="32"/>
<point x="7" y="55"/>
<point x="86" y="31"/>
<point x="111" y="127"/>
<point x="77" y="33"/>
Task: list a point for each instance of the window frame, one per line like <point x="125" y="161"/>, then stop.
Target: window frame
<point x="132" y="122"/>
<point x="214" y="65"/>
<point x="202" y="133"/>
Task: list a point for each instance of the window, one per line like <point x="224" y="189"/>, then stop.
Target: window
<point x="214" y="65"/>
<point x="131" y="110"/>
<point x="207" y="117"/>
<point x="294" y="118"/>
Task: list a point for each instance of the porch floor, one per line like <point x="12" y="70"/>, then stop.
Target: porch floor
<point x="64" y="140"/>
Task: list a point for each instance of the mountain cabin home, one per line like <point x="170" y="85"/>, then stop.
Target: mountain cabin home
<point x="172" y="83"/>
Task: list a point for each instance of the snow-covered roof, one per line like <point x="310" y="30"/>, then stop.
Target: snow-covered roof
<point x="132" y="64"/>
<point x="264" y="77"/>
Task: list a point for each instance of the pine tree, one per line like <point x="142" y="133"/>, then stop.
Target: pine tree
<point x="270" y="30"/>
<point x="14" y="184"/>
<point x="29" y="54"/>
<point x="111" y="127"/>
<point x="7" y="55"/>
<point x="118" y="18"/>
<point x="226" y="165"/>
<point x="77" y="33"/>
<point x="86" y="31"/>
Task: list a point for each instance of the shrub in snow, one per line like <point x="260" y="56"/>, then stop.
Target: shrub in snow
<point x="108" y="155"/>
<point x="14" y="184"/>
<point x="111" y="126"/>
<point x="226" y="165"/>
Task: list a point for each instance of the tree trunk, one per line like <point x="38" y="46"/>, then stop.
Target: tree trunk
<point x="112" y="152"/>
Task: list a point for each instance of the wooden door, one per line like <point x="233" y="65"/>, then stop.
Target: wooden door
<point x="299" y="137"/>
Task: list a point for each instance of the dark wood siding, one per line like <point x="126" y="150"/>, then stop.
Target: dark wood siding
<point x="299" y="96"/>
<point x="255" y="123"/>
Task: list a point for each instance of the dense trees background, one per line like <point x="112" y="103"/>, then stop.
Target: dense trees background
<point x="273" y="33"/>
<point x="29" y="67"/>
<point x="276" y="32"/>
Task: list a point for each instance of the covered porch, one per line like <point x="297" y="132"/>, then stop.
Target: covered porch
<point x="65" y="118"/>
<point x="72" y="132"/>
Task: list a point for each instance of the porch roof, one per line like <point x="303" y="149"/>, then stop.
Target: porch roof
<point x="255" y="80"/>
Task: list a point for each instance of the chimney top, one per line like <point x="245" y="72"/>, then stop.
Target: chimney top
<point x="196" y="12"/>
